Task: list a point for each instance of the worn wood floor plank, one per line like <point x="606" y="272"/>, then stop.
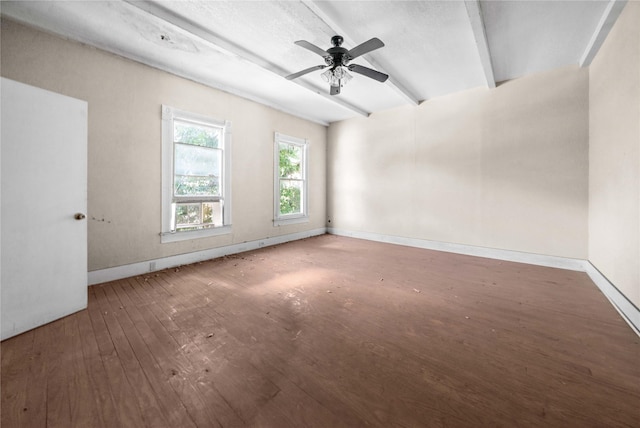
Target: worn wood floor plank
<point x="97" y="376"/>
<point x="149" y="291"/>
<point x="15" y="369"/>
<point x="162" y="346"/>
<point x="143" y="392"/>
<point x="331" y="332"/>
<point x="83" y="404"/>
<point x="59" y="369"/>
<point x="127" y="410"/>
<point x="169" y="404"/>
<point x="35" y="409"/>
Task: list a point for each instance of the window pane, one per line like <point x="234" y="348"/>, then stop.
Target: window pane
<point x="187" y="214"/>
<point x="197" y="135"/>
<point x="193" y="160"/>
<point x="290" y="161"/>
<point x="212" y="213"/>
<point x="192" y="216"/>
<point x="197" y="171"/>
<point x="290" y="197"/>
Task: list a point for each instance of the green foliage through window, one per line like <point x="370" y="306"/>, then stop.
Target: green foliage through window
<point x="187" y="185"/>
<point x="290" y="161"/>
<point x="196" y="135"/>
<point x="290" y="199"/>
<point x="191" y="216"/>
<point x="188" y="214"/>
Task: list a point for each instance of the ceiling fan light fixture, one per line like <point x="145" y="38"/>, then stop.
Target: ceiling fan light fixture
<point x="337" y="76"/>
<point x="327" y="76"/>
<point x="345" y="77"/>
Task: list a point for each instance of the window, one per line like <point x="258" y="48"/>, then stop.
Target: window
<point x="290" y="203"/>
<point x="195" y="175"/>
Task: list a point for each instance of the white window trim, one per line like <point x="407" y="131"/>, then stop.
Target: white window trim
<point x="168" y="114"/>
<point x="280" y="220"/>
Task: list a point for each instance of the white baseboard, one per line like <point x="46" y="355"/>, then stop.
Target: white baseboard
<point x="469" y="250"/>
<point x="126" y="271"/>
<point x="629" y="312"/>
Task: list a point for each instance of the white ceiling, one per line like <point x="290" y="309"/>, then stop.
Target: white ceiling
<point x="432" y="48"/>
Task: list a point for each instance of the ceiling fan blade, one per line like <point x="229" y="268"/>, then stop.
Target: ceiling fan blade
<point x="305" y="71"/>
<point x="365" y="47"/>
<point x="375" y="75"/>
<point x="313" y="48"/>
<point x="335" y="90"/>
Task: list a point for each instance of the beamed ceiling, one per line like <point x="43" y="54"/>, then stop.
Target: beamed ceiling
<point x="432" y="48"/>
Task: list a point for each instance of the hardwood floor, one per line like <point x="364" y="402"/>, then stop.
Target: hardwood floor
<point x="331" y="332"/>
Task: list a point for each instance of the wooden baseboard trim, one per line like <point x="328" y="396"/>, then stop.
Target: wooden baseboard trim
<point x="629" y="312"/>
<point x="140" y="268"/>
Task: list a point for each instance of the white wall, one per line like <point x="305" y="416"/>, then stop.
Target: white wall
<point x="124" y="164"/>
<point x="506" y="168"/>
<point x="614" y="155"/>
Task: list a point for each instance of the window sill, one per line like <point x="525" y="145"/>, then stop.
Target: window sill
<point x="194" y="234"/>
<point x="283" y="221"/>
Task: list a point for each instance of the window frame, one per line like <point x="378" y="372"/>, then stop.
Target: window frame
<point x="303" y="217"/>
<point x="169" y="114"/>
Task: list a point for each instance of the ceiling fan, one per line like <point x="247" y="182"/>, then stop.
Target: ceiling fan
<point x="338" y="58"/>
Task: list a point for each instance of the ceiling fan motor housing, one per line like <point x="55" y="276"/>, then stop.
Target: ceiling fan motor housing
<point x="337" y="55"/>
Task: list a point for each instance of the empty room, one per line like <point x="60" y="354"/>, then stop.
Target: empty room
<point x="320" y="213"/>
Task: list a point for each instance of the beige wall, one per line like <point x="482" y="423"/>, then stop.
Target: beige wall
<point x="125" y="145"/>
<point x="614" y="155"/>
<point x="506" y="168"/>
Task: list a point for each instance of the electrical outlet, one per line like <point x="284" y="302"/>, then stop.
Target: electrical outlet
<point x="152" y="266"/>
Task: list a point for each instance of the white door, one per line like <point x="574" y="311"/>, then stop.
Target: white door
<point x="43" y="262"/>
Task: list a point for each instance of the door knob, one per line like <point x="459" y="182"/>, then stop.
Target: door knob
<point x="79" y="216"/>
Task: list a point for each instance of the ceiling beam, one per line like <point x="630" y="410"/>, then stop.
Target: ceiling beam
<point x="221" y="44"/>
<point x="393" y="81"/>
<point x="609" y="17"/>
<point x="480" y="34"/>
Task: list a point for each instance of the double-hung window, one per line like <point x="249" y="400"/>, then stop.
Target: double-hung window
<point x="290" y="188"/>
<point x="196" y="175"/>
